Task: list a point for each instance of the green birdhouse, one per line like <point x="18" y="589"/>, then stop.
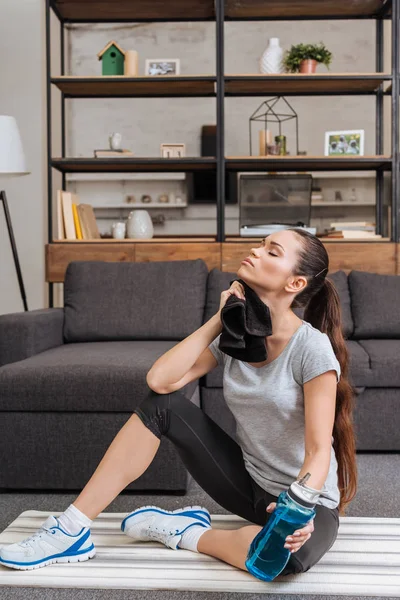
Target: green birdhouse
<point x="112" y="57"/>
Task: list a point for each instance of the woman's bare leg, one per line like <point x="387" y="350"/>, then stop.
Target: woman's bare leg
<point x="229" y="545"/>
<point x="128" y="456"/>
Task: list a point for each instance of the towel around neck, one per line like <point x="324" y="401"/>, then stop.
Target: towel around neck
<point x="245" y="325"/>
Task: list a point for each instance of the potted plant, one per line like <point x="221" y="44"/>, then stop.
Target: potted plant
<point x="303" y="58"/>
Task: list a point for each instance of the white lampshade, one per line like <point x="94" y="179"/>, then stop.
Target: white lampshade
<point x="12" y="158"/>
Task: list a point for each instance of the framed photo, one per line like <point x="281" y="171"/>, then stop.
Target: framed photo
<point x="173" y="150"/>
<point x="344" y="143"/>
<point x="162" y="66"/>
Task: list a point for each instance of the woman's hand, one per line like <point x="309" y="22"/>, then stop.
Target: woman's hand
<point x="299" y="537"/>
<point x="236" y="289"/>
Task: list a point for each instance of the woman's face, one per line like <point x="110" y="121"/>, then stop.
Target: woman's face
<point x="273" y="263"/>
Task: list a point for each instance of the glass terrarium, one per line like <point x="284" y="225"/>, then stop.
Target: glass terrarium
<point x="265" y="198"/>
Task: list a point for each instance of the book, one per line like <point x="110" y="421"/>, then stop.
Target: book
<point x="351" y="234"/>
<point x="66" y="201"/>
<point x="112" y="153"/>
<point x="76" y="221"/>
<point x="90" y="230"/>
<point x="353" y="224"/>
<point x="60" y="234"/>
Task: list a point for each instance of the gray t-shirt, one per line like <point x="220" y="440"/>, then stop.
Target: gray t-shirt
<point x="268" y="405"/>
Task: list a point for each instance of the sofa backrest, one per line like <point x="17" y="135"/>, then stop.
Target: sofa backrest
<point x="218" y="281"/>
<point x="106" y="301"/>
<point x="375" y="304"/>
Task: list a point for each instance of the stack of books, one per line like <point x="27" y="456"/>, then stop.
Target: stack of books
<point x="75" y="221"/>
<point x="352" y="230"/>
<point x="112" y="153"/>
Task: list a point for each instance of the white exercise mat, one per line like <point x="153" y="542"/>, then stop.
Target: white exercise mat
<point x="363" y="561"/>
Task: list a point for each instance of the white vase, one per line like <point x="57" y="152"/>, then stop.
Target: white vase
<point x="139" y="225"/>
<point x="271" y="59"/>
<point x="115" y="140"/>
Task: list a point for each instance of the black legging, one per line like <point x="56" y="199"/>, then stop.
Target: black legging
<point x="216" y="462"/>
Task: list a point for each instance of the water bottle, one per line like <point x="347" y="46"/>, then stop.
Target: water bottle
<point x="267" y="556"/>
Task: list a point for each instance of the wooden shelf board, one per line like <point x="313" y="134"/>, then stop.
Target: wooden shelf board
<point x="358" y="240"/>
<point x="307" y="163"/>
<point x="85" y="177"/>
<point x="289" y="9"/>
<point x="323" y="239"/>
<point x="121" y="165"/>
<point x="203" y="10"/>
<point x="136" y="205"/>
<point x="189" y="239"/>
<point x="119" y="86"/>
<point x="134" y="10"/>
<point x="292" y="83"/>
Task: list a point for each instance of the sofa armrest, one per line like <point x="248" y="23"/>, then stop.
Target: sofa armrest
<point x="25" y="334"/>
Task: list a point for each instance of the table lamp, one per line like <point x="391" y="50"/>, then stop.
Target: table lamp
<point x="12" y="162"/>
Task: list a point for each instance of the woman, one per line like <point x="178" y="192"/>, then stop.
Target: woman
<point x="286" y="408"/>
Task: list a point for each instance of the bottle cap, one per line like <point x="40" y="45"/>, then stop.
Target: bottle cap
<point x="304" y="494"/>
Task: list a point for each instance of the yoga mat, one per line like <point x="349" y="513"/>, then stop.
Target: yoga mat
<point x="363" y="561"/>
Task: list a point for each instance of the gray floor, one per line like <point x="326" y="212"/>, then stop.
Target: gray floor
<point x="378" y="495"/>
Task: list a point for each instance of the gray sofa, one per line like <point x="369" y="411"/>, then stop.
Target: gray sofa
<point x="71" y="377"/>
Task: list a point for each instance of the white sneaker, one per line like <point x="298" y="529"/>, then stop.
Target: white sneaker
<point x="50" y="544"/>
<point x="150" y="523"/>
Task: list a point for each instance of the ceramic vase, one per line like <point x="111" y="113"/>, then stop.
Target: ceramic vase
<point x="139" y="225"/>
<point x="271" y="59"/>
<point x="115" y="140"/>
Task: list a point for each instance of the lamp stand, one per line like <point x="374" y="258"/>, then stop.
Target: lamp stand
<point x="3" y="198"/>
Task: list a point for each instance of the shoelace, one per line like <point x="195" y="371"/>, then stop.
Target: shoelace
<point x="160" y="535"/>
<point x="27" y="541"/>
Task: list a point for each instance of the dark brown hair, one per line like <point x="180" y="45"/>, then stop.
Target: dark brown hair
<point x="320" y="300"/>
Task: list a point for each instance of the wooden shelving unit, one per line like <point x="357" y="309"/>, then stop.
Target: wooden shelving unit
<point x="220" y="86"/>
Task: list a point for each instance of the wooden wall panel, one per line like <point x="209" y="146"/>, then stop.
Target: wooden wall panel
<point x="210" y="252"/>
<point x="58" y="256"/>
<point x="375" y="257"/>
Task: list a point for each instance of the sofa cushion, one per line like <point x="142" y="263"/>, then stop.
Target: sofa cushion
<point x="217" y="282"/>
<point x="107" y="301"/>
<point x="375" y="305"/>
<point x="94" y="376"/>
<point x="384" y="362"/>
<point x="340" y="279"/>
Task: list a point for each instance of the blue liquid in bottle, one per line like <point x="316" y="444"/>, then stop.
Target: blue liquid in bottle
<point x="267" y="556"/>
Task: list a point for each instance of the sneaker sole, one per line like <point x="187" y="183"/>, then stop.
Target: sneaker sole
<point x="60" y="559"/>
<point x="204" y="512"/>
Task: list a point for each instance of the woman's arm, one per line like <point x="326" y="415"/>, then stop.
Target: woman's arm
<point x="174" y="364"/>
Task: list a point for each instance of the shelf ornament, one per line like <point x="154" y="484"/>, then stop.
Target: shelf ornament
<point x="271" y="111"/>
<point x="113" y="58"/>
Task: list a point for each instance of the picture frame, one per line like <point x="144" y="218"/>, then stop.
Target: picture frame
<point x="161" y="67"/>
<point x="349" y="142"/>
<point x="173" y="150"/>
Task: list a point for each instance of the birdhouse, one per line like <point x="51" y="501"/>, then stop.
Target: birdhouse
<point x="112" y="57"/>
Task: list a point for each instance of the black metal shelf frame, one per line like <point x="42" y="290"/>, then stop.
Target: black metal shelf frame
<point x="221" y="77"/>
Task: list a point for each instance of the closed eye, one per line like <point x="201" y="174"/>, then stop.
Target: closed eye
<point x="272" y="254"/>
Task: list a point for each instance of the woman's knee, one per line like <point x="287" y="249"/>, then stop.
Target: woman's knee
<point x="320" y="542"/>
<point x="154" y="410"/>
